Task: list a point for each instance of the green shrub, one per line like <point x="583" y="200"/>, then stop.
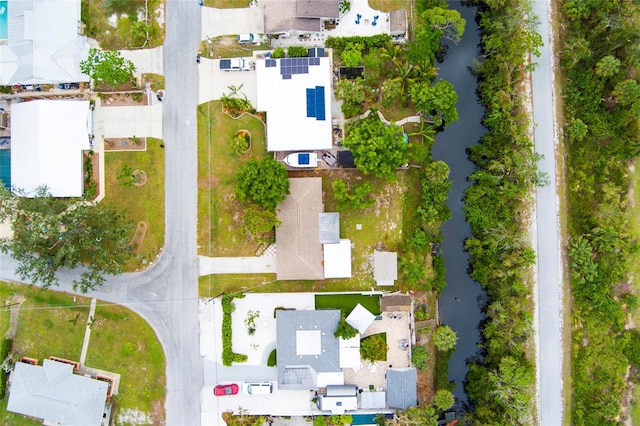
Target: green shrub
<point x="239" y="144"/>
<point x="319" y="421"/>
<point x="358" y="197"/>
<point x="370" y="42"/>
<point x="344" y="330"/>
<point x="272" y="360"/>
<point x="5" y="349"/>
<point x="442" y="370"/>
<point x="278" y="52"/>
<point x="443" y="399"/>
<point x="419" y="357"/>
<point x="297" y="52"/>
<point x="445" y="338"/>
<point x="228" y="356"/>
<point x="374" y="348"/>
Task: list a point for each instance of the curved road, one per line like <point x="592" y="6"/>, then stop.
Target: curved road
<point x="550" y="285"/>
<point x="166" y="293"/>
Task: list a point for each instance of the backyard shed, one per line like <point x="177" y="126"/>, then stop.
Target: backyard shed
<point x="53" y="393"/>
<point x="398" y="22"/>
<point x="329" y="228"/>
<point x="402" y="390"/>
<point x="385" y="267"/>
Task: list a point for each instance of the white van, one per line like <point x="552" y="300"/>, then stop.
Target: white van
<point x="257" y="388"/>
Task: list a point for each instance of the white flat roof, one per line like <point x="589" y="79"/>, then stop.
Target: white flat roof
<point x="308" y="342"/>
<point x="337" y="259"/>
<point x="289" y="127"/>
<point x="47" y="139"/>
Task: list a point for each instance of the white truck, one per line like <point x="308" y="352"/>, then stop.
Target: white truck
<point x="235" y="64"/>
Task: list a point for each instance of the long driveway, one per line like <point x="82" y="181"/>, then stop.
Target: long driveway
<point x="166" y="293"/>
<point x="550" y="285"/>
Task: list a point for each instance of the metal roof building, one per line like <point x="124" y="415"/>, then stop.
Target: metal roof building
<point x="53" y="393"/>
<point x="44" y="44"/>
<point x="47" y="140"/>
<point x="385" y="266"/>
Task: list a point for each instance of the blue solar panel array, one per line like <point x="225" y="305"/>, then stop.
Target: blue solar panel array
<point x="270" y="63"/>
<point x="291" y="66"/>
<point x="315" y="103"/>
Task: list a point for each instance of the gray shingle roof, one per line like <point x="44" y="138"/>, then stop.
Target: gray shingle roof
<point x="306" y="346"/>
<point x="402" y="390"/>
<point x="53" y="393"/>
<point x="297" y="238"/>
<point x="385" y="266"/>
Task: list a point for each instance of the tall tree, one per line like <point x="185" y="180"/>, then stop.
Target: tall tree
<point x="264" y="182"/>
<point x="107" y="66"/>
<point x="50" y="233"/>
<point x="377" y="148"/>
<point x="436" y="101"/>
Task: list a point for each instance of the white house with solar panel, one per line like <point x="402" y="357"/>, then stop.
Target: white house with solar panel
<point x="296" y="95"/>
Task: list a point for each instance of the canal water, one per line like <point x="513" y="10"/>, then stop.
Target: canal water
<point x="459" y="305"/>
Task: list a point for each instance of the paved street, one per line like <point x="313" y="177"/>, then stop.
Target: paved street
<point x="550" y="287"/>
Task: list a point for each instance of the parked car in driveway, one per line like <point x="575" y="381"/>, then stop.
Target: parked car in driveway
<point x="67" y="86"/>
<point x="248" y="38"/>
<point x="223" y="390"/>
<point x="257" y="388"/>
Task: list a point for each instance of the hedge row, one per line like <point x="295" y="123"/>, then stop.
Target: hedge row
<point x="228" y="356"/>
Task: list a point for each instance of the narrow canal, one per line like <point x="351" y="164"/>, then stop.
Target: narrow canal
<point x="459" y="304"/>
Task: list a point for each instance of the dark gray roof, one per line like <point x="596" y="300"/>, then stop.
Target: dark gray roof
<point x="395" y="302"/>
<point x="53" y="393"/>
<point x="329" y="228"/>
<point x="306" y="346"/>
<point x="280" y="15"/>
<point x="402" y="388"/>
<point x="317" y="8"/>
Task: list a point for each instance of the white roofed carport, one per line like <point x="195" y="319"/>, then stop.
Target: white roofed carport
<point x="47" y="140"/>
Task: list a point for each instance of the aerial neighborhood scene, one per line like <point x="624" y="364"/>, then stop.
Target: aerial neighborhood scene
<point x="323" y="212"/>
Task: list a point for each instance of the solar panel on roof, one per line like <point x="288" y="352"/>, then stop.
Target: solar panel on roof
<point x="320" y="115"/>
<point x="311" y="102"/>
<point x="286" y="77"/>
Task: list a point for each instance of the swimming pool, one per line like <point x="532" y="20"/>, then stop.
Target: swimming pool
<point x="3" y="19"/>
<point x="5" y="167"/>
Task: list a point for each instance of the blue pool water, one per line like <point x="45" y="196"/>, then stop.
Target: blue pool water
<point x="3" y="19"/>
<point x="5" y="167"/>
<point x="364" y="419"/>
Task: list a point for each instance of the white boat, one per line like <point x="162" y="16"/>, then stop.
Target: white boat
<point x="302" y="159"/>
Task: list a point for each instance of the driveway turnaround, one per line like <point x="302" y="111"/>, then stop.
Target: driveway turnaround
<point x="214" y="82"/>
<point x="217" y="22"/>
<point x="550" y="284"/>
<point x="128" y="121"/>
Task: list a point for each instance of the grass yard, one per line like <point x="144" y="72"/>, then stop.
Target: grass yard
<point x="227" y="4"/>
<point x="143" y="203"/>
<point x="218" y="213"/>
<point x="634" y="262"/>
<point x="346" y="302"/>
<point x="52" y="324"/>
<point x="123" y="342"/>
<point x="129" y="32"/>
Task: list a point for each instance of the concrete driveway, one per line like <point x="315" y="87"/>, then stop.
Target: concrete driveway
<point x="217" y="22"/>
<point x="145" y="60"/>
<point x="127" y="121"/>
<point x="214" y="82"/>
<point x="236" y="265"/>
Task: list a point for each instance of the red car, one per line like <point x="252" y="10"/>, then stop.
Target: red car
<point x="222" y="390"/>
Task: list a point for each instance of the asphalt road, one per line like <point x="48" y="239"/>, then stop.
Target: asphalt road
<point x="166" y="293"/>
<point x="550" y="285"/>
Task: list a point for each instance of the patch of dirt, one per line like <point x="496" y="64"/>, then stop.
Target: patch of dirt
<point x="133" y="417"/>
<point x="208" y="182"/>
<point x="123" y="99"/>
<point x="139" y="177"/>
<point x="125" y="144"/>
<point x="138" y="237"/>
<point x="157" y="413"/>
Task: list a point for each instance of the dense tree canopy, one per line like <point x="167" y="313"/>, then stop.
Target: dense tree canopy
<point x="107" y="66"/>
<point x="377" y="148"/>
<point x="264" y="182"/>
<point x="437" y="101"/>
<point x="52" y="233"/>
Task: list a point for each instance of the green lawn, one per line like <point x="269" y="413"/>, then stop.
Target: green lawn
<point x="123" y="342"/>
<point x="143" y="203"/>
<point x="52" y="324"/>
<point x="227" y="4"/>
<point x="634" y="262"/>
<point x="346" y="302"/>
<point x="218" y="213"/>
